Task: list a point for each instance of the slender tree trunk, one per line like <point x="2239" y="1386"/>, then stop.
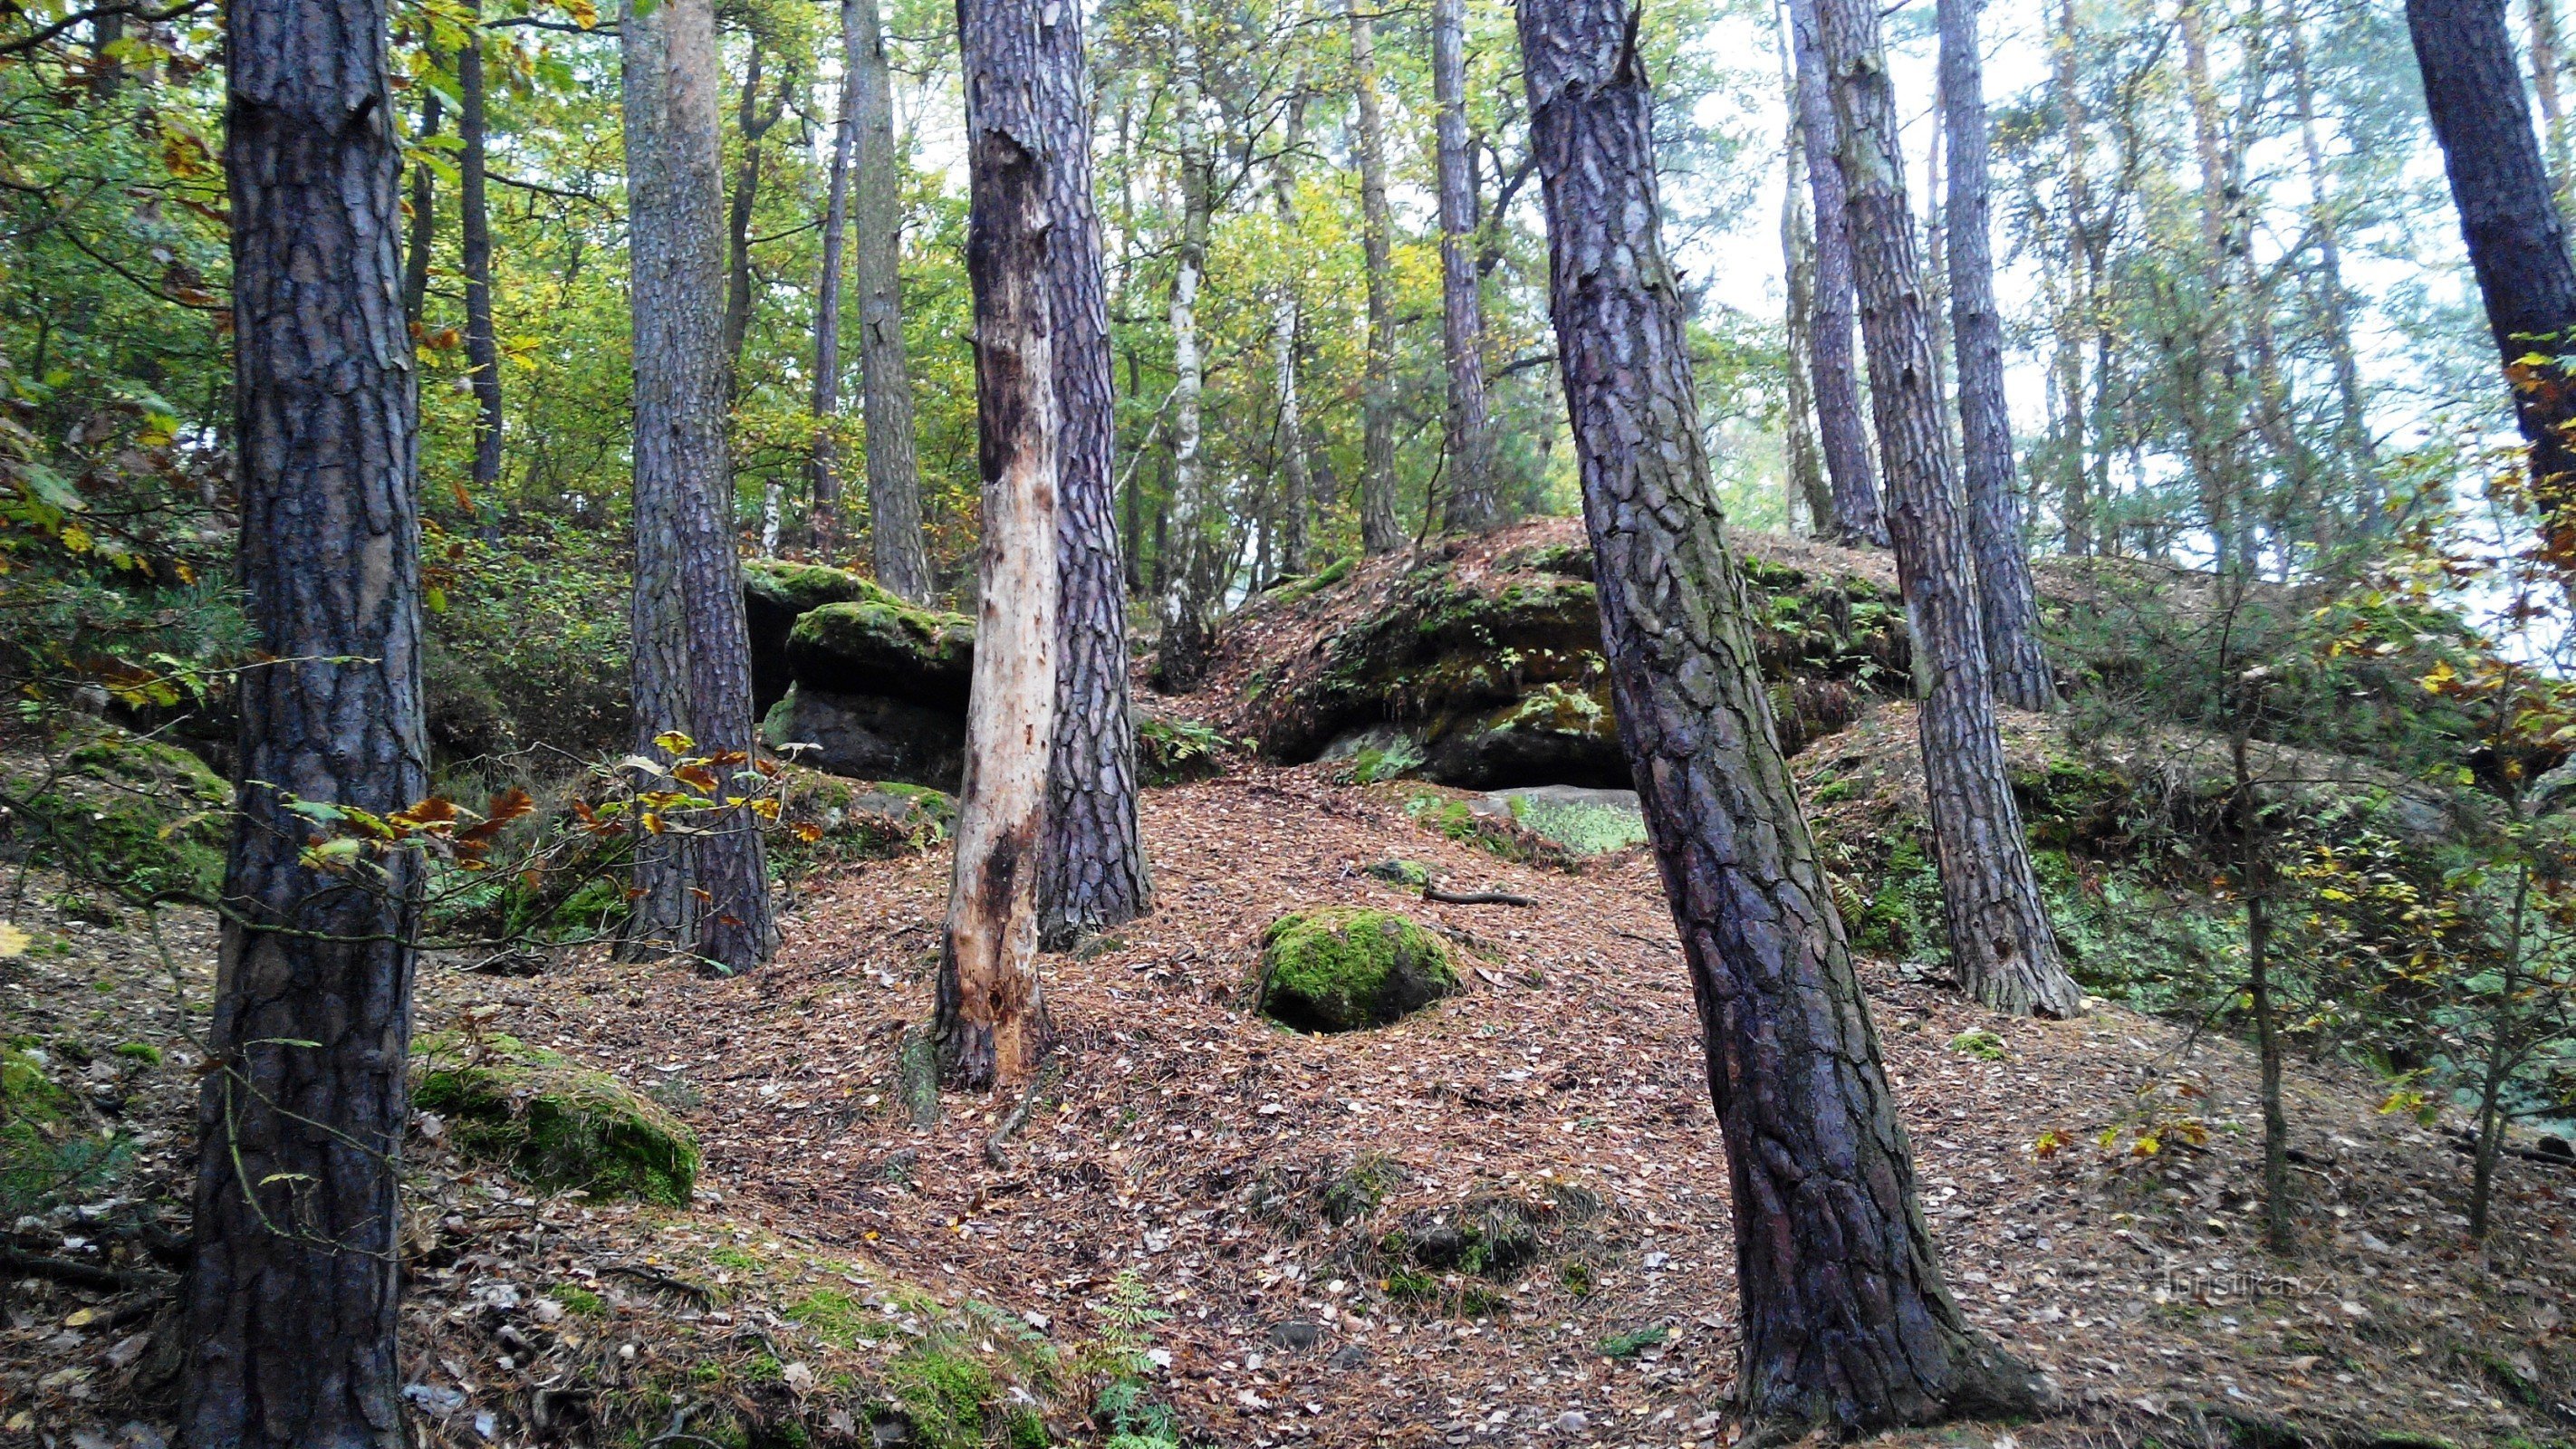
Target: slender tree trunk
<point x="2352" y="431"/>
<point x="424" y="216"/>
<point x="754" y="126"/>
<point x="1858" y="517"/>
<point x="1807" y="481"/>
<point x="1845" y="1316"/>
<point x="474" y="230"/>
<point x="706" y="894"/>
<point x="1093" y="874"/>
<point x="2517" y="242"/>
<point x="2216" y="377"/>
<point x="2076" y="497"/>
<point x="896" y="546"/>
<point x="1187" y="626"/>
<point x="1471" y="504"/>
<point x="1296" y="493"/>
<point x="2502" y="1053"/>
<point x="2254" y="881"/>
<point x="2548" y="62"/>
<point x="2007" y="604"/>
<point x="1379" y="530"/>
<point x="991" y="1027"/>
<point x="292" y="1289"/>
<point x="1998" y="932"/>
<point x="823" y="470"/>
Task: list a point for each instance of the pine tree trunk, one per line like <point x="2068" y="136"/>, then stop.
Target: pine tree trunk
<point x="2215" y="376"/>
<point x="292" y="1290"/>
<point x="991" y="1023"/>
<point x="2352" y="433"/>
<point x="1470" y="504"/>
<point x="1379" y="531"/>
<point x="1845" y="1317"/>
<point x="823" y="469"/>
<point x="2007" y="604"/>
<point x="896" y="547"/>
<point x="2516" y="240"/>
<point x="1297" y="488"/>
<point x="1858" y="517"/>
<point x="1093" y="874"/>
<point x="704" y="894"/>
<point x="424" y="216"/>
<point x="1998" y="932"/>
<point x="1181" y="658"/>
<point x="754" y="127"/>
<point x="474" y="231"/>
<point x="1807" y="481"/>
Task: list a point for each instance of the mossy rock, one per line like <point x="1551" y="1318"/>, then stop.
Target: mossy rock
<point x="872" y="736"/>
<point x="880" y="645"/>
<point x="855" y="819"/>
<point x="1346" y="968"/>
<point x="130" y="812"/>
<point x="775" y="594"/>
<point x="553" y="1124"/>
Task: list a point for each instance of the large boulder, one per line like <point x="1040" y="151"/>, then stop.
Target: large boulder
<point x="874" y="685"/>
<point x="881" y="645"/>
<point x="1346" y="968"/>
<point x="775" y="594"/>
<point x="871" y="736"/>
<point x="551" y="1123"/>
<point x="120" y="810"/>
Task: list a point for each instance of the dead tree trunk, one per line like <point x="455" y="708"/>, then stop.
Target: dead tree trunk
<point x="291" y="1301"/>
<point x="2008" y="605"/>
<point x="1093" y="874"/>
<point x="823" y="468"/>
<point x="1470" y="505"/>
<point x="1845" y="1316"/>
<point x="991" y="1022"/>
<point x="1998" y="931"/>
<point x="474" y="231"/>
<point x="1379" y="530"/>
<point x="1858" y="517"/>
<point x="703" y="894"/>
<point x="896" y="547"/>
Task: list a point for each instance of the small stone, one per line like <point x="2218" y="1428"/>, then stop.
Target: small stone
<point x="1351" y="1358"/>
<point x="1573" y="1421"/>
<point x="1295" y="1333"/>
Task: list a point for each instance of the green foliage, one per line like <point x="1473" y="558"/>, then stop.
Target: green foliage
<point x="1902" y="919"/>
<point x="553" y="1124"/>
<point x="578" y="1300"/>
<point x="1634" y="1342"/>
<point x="1979" y="1043"/>
<point x="1399" y="757"/>
<point x="1581" y="829"/>
<point x="1171" y="751"/>
<point x="1343" y="968"/>
<point x="117" y="810"/>
<point x="945" y="1392"/>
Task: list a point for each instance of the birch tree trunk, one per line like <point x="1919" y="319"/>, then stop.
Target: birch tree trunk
<point x="1846" y="1319"/>
<point x="2008" y="605"/>
<point x="1470" y="503"/>
<point x="1297" y="489"/>
<point x="703" y="894"/>
<point x="2548" y="64"/>
<point x="474" y="231"/>
<point x="1379" y="531"/>
<point x="1858" y="517"/>
<point x="2517" y="242"/>
<point x="1998" y="932"/>
<point x="1182" y="656"/>
<point x="290" y="1316"/>
<point x="896" y="547"/>
<point x="991" y="1022"/>
<point x="823" y="469"/>
<point x="1093" y="874"/>
<point x="2217" y="376"/>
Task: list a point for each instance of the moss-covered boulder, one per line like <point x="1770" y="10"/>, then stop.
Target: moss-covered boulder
<point x="115" y="809"/>
<point x="880" y="645"/>
<point x="871" y="736"/>
<point x="1346" y="968"/>
<point x="775" y="594"/>
<point x="552" y="1123"/>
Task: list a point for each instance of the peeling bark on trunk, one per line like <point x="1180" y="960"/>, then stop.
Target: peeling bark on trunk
<point x="991" y="1022"/>
<point x="1858" y="517"/>
<point x="896" y="547"/>
<point x="292" y="1291"/>
<point x="1471" y="506"/>
<point x="474" y="231"/>
<point x="2517" y="242"/>
<point x="823" y="469"/>
<point x="1093" y="874"/>
<point x="1845" y="1316"/>
<point x="1379" y="530"/>
<point x="705" y="894"/>
<point x="1998" y="932"/>
<point x="2008" y="605"/>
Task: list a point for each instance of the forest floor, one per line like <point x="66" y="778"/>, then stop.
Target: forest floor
<point x="1240" y="1196"/>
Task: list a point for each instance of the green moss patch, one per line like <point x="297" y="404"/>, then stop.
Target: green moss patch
<point x="878" y="644"/>
<point x="798" y="588"/>
<point x="553" y="1124"/>
<point x="1347" y="968"/>
<point x="128" y="812"/>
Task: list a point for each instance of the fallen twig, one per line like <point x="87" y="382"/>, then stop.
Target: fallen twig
<point x="1048" y="1075"/>
<point x="680" y="1286"/>
<point x="1475" y="898"/>
<point x="77" y="1274"/>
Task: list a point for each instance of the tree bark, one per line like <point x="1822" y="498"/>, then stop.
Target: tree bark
<point x="1807" y="481"/>
<point x="2076" y="495"/>
<point x="2548" y="61"/>
<point x="2516" y="240"/>
<point x="1845" y="1316"/>
<point x="1470" y="505"/>
<point x="1379" y="531"/>
<point x="754" y="126"/>
<point x="706" y="894"/>
<point x="474" y="231"/>
<point x="292" y="1288"/>
<point x="991" y="1023"/>
<point x="2008" y="605"/>
<point x="1181" y="657"/>
<point x="2215" y="376"/>
<point x="1093" y="874"/>
<point x="823" y="469"/>
<point x="896" y="547"/>
<point x="424" y="215"/>
<point x="1297" y="487"/>
<point x="1998" y="932"/>
<point x="1858" y="517"/>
